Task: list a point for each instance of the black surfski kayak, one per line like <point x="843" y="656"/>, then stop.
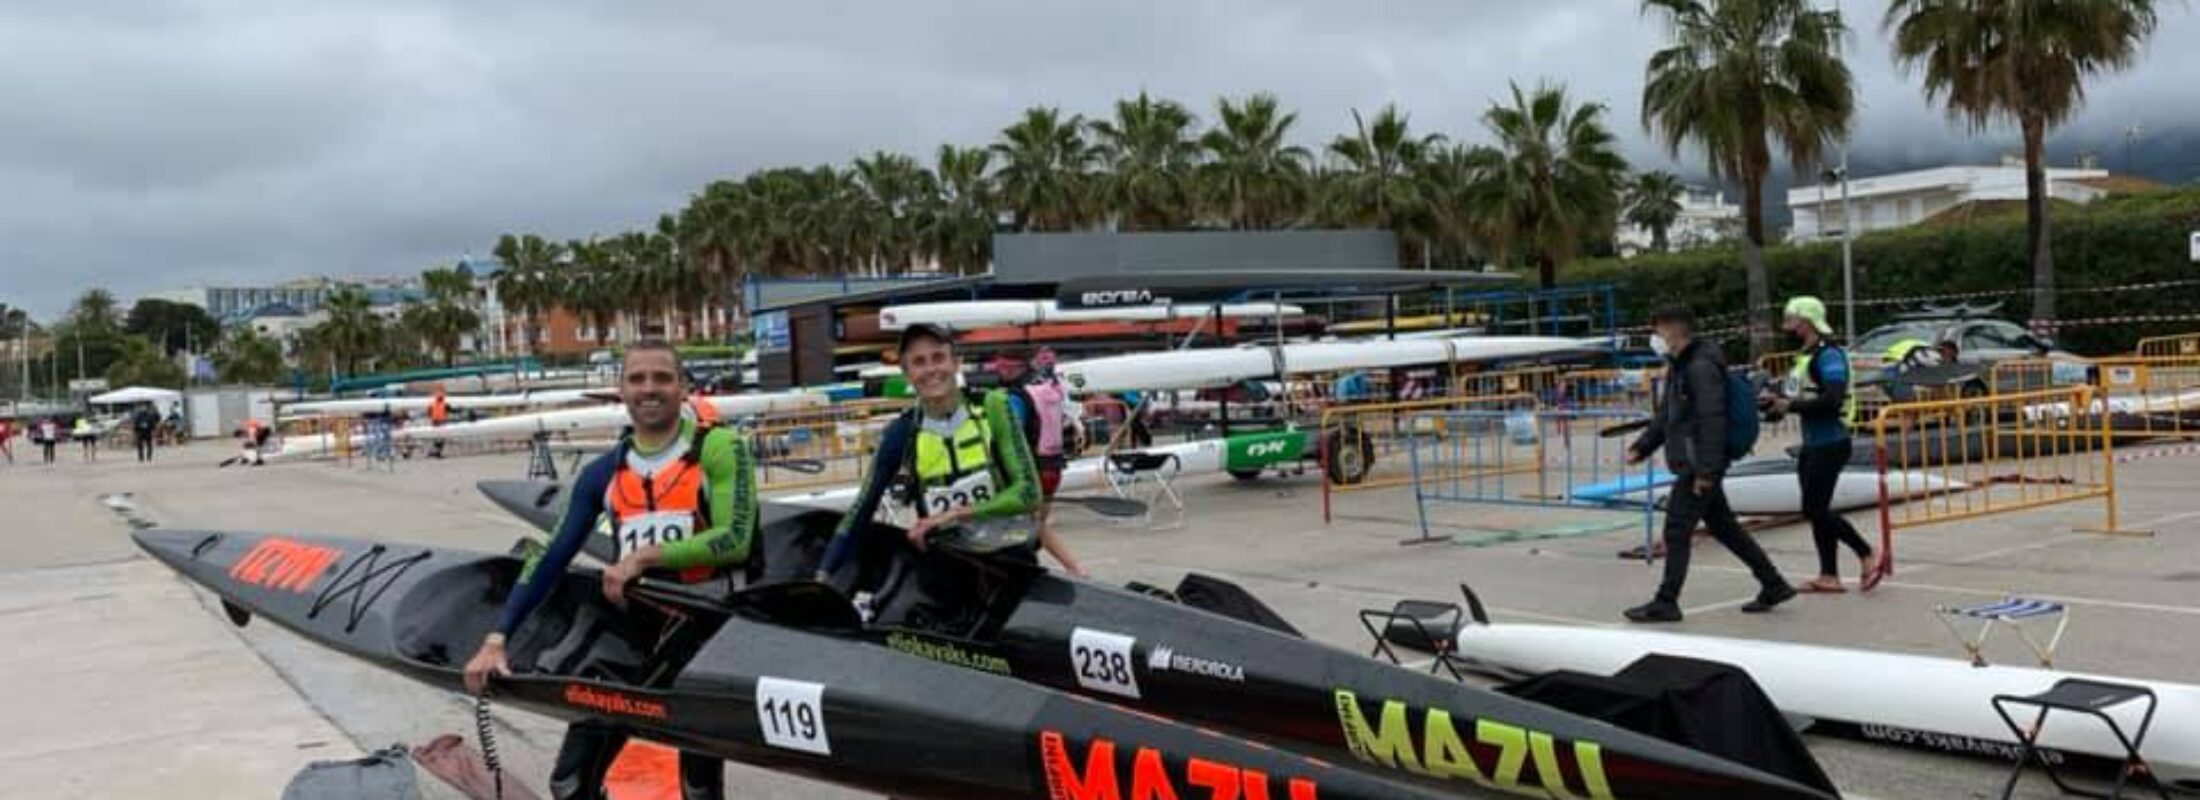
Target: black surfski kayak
<point x="768" y="676"/>
<point x="1185" y="663"/>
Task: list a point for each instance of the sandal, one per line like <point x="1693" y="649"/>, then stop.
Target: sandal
<point x="1821" y="587"/>
<point x="1875" y="570"/>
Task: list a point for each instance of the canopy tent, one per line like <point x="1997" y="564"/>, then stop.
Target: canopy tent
<point x="133" y="395"/>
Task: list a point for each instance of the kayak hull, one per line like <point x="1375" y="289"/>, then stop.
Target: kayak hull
<point x="825" y="706"/>
<point x="1186" y="663"/>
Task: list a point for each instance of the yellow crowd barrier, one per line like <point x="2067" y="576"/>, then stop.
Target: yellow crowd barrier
<point x="2143" y="397"/>
<point x="830" y="452"/>
<point x="1363" y="444"/>
<point x="1609" y="389"/>
<point x="1535" y="381"/>
<point x="1947" y="460"/>
<point x="2183" y="344"/>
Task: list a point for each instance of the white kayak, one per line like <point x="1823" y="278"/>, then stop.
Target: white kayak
<point x="600" y="418"/>
<point x="1916" y="701"/>
<point x="1767" y="487"/>
<point x="989" y="313"/>
<point x="1192" y="369"/>
<point x="399" y="405"/>
<point x="1203" y="457"/>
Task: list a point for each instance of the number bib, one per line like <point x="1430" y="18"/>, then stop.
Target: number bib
<point x="654" y="529"/>
<point x="971" y="490"/>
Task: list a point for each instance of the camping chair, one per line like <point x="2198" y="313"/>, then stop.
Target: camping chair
<point x="1430" y="626"/>
<point x="1425" y="625"/>
<point x="2080" y="696"/>
<point x="1149" y="478"/>
<point x="2014" y="611"/>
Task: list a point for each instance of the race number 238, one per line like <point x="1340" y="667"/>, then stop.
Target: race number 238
<point x="793" y="715"/>
<point x="946" y="500"/>
<point x="1103" y="662"/>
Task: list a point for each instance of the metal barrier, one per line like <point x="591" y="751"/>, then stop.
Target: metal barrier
<point x="2183" y="344"/>
<point x="2143" y="397"/>
<point x="1610" y="389"/>
<point x="1949" y="460"/>
<point x="1357" y="439"/>
<point x="1488" y="457"/>
<point x="1541" y="382"/>
<point x="839" y="450"/>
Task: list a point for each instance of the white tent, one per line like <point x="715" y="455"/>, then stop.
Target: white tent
<point x="160" y="398"/>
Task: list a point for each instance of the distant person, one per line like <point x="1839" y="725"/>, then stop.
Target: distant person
<point x="1818" y="392"/>
<point x="439" y="412"/>
<point x="7" y="433"/>
<point x="48" y="434"/>
<point x="253" y="436"/>
<point x="87" y="435"/>
<point x="1691" y="426"/>
<point x="174" y="425"/>
<point x="1037" y="406"/>
<point x="144" y="425"/>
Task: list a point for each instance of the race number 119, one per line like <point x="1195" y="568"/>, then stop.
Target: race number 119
<point x="793" y="715"/>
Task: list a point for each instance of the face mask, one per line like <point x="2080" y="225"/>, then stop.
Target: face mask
<point x="1658" y="346"/>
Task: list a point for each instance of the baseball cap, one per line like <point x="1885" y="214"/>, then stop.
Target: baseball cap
<point x="923" y="330"/>
<point x="1812" y="309"/>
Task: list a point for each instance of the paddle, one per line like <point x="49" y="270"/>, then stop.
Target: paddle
<point x="1105" y="506"/>
<point x="1622" y="429"/>
<point x="806" y="466"/>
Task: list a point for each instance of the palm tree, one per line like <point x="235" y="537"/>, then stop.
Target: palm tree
<point x="352" y="331"/>
<point x="959" y="227"/>
<point x="1046" y="170"/>
<point x="1553" y="179"/>
<point x="1459" y="230"/>
<point x="891" y="190"/>
<point x="1253" y="179"/>
<point x="246" y="357"/>
<point x="1149" y="155"/>
<point x="2022" y="60"/>
<point x="1740" y="72"/>
<point x="139" y="362"/>
<point x="527" y="285"/>
<point x="94" y="313"/>
<point x="1375" y="178"/>
<point x="1654" y="203"/>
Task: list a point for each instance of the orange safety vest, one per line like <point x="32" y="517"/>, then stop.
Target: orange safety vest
<point x="438" y="410"/>
<point x="706" y="415"/>
<point x="662" y="508"/>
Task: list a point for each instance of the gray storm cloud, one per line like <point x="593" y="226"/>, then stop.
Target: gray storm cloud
<point x="148" y="145"/>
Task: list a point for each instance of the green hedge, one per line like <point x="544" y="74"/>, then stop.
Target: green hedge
<point x="2119" y="241"/>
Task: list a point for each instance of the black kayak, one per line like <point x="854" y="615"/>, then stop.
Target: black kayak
<point x="733" y="678"/>
<point x="1185" y="663"/>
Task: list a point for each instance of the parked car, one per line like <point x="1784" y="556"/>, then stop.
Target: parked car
<point x="1979" y="339"/>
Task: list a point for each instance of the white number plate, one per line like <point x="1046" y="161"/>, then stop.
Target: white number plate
<point x="793" y="715"/>
<point x="972" y="490"/>
<point x="653" y="530"/>
<point x="1103" y="662"/>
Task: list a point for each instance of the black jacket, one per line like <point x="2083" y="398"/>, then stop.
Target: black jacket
<point x="1690" y="421"/>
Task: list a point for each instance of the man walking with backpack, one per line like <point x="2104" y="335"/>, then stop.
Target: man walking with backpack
<point x="1702" y="426"/>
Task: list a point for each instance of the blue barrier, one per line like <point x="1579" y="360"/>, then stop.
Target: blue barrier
<point x="1525" y="458"/>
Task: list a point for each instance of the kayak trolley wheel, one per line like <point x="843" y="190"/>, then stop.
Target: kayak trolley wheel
<point x="1351" y="455"/>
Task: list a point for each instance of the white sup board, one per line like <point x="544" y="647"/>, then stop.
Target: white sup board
<point x="1192" y="369"/>
<point x="1767" y="487"/>
<point x="398" y="405"/>
<point x="1915" y="701"/>
<point x="990" y="313"/>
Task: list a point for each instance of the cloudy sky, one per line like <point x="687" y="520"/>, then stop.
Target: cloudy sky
<point x="153" y="144"/>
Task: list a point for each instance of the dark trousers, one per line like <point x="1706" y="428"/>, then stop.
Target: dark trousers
<point x="1819" y="467"/>
<point x="589" y="748"/>
<point x="46" y="447"/>
<point x="1683" y="509"/>
<point x="145" y="446"/>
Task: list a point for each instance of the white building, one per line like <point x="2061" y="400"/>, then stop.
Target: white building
<point x="1706" y="218"/>
<point x="1902" y="199"/>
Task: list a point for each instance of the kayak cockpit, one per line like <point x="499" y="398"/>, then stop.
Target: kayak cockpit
<point x="575" y="633"/>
